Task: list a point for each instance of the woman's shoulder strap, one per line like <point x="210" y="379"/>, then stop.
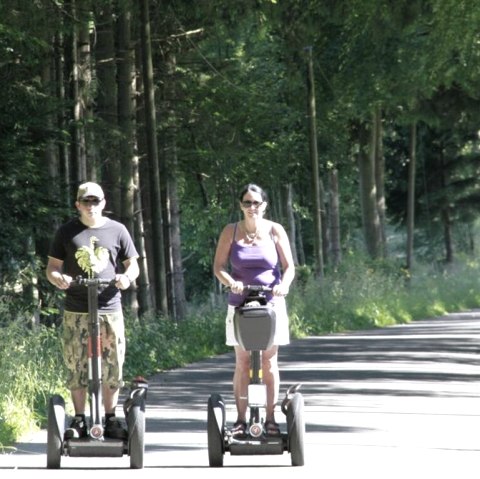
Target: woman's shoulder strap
<point x="230" y="231"/>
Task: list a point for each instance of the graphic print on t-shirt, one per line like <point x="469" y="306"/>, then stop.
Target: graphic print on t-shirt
<point x="90" y="259"/>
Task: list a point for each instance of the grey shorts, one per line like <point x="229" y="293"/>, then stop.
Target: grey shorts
<point x="75" y="348"/>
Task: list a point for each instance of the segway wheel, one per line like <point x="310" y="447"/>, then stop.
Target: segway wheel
<point x="296" y="430"/>
<point x="136" y="434"/>
<point x="55" y="431"/>
<point x="215" y="430"/>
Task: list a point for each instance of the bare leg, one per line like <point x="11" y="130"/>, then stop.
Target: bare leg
<point x="271" y="377"/>
<point x="240" y="381"/>
<point x="110" y="399"/>
<point x="79" y="399"/>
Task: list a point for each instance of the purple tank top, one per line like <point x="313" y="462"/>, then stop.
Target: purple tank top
<point x="257" y="264"/>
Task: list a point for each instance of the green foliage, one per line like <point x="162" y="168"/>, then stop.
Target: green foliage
<point x="363" y="294"/>
<point x="25" y="212"/>
<point x="31" y="368"/>
<point x="156" y="344"/>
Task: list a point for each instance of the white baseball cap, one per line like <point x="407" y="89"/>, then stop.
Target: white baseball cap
<point x="90" y="189"/>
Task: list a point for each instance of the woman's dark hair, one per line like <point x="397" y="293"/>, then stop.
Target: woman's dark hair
<point x="255" y="188"/>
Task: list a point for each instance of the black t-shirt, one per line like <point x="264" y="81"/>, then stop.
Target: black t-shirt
<point x="105" y="247"/>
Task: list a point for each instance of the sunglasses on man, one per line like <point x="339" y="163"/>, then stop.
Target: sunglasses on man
<point x="90" y="201"/>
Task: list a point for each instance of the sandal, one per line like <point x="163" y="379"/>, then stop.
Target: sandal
<point x="271" y="428"/>
<point x="239" y="428"/>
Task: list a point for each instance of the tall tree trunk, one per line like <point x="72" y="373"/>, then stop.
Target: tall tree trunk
<point x="291" y="227"/>
<point x="51" y="156"/>
<point x="82" y="99"/>
<point x="143" y="204"/>
<point x="445" y="213"/>
<point x="136" y="297"/>
<point x="447" y="235"/>
<point x="471" y="239"/>
<point x="324" y="217"/>
<point x="158" y="249"/>
<point x="79" y="157"/>
<point x="126" y="117"/>
<point x="64" y="151"/>
<point x="368" y="194"/>
<point x="144" y="292"/>
<point x="335" y="245"/>
<point x="300" y="247"/>
<point x="175" y="250"/>
<point x="380" y="178"/>
<point x="317" y="202"/>
<point x="107" y="102"/>
<point x="412" y="165"/>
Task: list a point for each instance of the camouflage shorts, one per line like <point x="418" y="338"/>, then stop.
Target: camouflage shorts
<point x="75" y="348"/>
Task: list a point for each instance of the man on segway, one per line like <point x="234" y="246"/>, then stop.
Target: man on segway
<point x="97" y="246"/>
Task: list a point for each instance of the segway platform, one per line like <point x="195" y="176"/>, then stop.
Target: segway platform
<point x="255" y="446"/>
<point x="87" y="447"/>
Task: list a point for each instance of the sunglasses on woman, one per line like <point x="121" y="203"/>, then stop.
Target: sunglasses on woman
<point x="248" y="203"/>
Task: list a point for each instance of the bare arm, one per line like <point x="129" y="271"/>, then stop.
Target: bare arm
<point x="220" y="263"/>
<point x="286" y="260"/>
<point x="131" y="274"/>
<point x="55" y="273"/>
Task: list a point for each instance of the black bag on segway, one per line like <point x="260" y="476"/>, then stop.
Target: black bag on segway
<point x="254" y="324"/>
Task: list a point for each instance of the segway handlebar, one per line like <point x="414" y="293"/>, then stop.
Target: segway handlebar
<point x="81" y="281"/>
<point x="257" y="287"/>
<point x="254" y="288"/>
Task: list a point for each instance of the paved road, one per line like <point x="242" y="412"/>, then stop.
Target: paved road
<point x="399" y="402"/>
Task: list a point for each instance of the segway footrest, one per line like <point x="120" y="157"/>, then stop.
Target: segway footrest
<point x="95" y="448"/>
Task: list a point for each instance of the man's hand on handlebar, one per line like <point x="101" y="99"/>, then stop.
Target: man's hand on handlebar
<point x="61" y="281"/>
<point x="122" y="281"/>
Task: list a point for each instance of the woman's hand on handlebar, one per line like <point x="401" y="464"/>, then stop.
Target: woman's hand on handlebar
<point x="237" y="287"/>
<point x="280" y="290"/>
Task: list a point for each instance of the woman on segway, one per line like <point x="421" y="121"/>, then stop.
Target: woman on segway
<point x="255" y="251"/>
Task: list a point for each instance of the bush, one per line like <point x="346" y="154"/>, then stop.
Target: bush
<point x="31" y="368"/>
<point x="365" y="295"/>
<point x="156" y="344"/>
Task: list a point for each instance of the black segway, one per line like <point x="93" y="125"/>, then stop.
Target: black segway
<point x="96" y="444"/>
<point x="254" y="324"/>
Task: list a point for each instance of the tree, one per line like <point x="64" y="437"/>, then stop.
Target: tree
<point x="157" y="245"/>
